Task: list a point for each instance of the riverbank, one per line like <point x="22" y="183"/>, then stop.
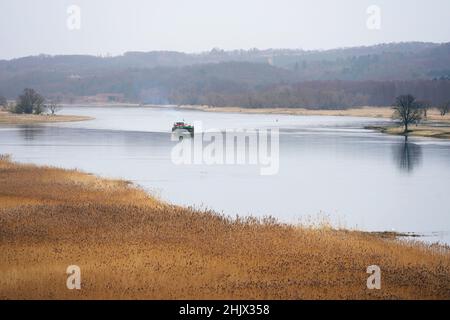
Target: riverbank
<point x="11" y="118"/>
<point x="422" y="130"/>
<point x="131" y="245"/>
<point x="369" y="112"/>
<point x="435" y="125"/>
<point x="372" y="112"/>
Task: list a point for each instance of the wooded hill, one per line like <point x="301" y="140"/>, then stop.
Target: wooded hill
<point x="336" y="78"/>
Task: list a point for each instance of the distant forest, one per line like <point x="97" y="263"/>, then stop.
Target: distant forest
<point x="337" y="78"/>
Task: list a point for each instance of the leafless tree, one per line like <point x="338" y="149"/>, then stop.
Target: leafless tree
<point x="54" y="108"/>
<point x="407" y="110"/>
<point x="424" y="105"/>
<point x="444" y="108"/>
<point x="30" y="102"/>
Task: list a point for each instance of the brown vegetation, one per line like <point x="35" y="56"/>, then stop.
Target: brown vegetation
<point x="10" y="118"/>
<point x="434" y="126"/>
<point x="429" y="131"/>
<point x="131" y="245"/>
<point x="369" y="112"/>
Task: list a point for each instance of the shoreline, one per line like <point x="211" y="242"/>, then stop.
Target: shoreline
<point x="363" y="111"/>
<point x="422" y="130"/>
<point x="51" y="218"/>
<point x="10" y="118"/>
<point x="371" y="112"/>
<point x="435" y="126"/>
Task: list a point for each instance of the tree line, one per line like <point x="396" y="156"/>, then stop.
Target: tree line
<point x="407" y="109"/>
<point x="30" y="102"/>
<point x="311" y="94"/>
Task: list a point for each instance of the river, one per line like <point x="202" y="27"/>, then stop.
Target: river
<point x="330" y="168"/>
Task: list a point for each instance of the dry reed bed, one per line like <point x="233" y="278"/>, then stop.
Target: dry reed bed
<point x="11" y="118"/>
<point x="131" y="245"/>
<point x="433" y="114"/>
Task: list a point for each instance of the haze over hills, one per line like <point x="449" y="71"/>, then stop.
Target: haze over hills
<point x="335" y="78"/>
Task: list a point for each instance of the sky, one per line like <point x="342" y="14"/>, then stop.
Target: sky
<point x="112" y="27"/>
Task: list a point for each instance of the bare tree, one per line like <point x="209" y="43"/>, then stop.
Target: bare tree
<point x="54" y="108"/>
<point x="30" y="102"/>
<point x="444" y="108"/>
<point x="407" y="110"/>
<point x="424" y="105"/>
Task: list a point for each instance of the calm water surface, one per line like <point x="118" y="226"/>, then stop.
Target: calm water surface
<point x="330" y="167"/>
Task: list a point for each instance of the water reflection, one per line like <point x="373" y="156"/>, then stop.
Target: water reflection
<point x="407" y="155"/>
<point x="180" y="135"/>
<point x="30" y="132"/>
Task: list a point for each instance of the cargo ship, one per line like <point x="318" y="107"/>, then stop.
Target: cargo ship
<point x="181" y="126"/>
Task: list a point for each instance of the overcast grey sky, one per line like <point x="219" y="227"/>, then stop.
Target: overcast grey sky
<point x="30" y="27"/>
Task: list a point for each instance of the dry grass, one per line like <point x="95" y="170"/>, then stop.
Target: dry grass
<point x="428" y="128"/>
<point x="11" y="118"/>
<point x="370" y="112"/>
<point x="422" y="130"/>
<point x="130" y="245"/>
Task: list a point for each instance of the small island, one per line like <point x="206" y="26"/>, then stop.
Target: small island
<point x="10" y="118"/>
<point x="418" y="118"/>
<point x="32" y="108"/>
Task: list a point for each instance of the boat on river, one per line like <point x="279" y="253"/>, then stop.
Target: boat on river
<point x="182" y="127"/>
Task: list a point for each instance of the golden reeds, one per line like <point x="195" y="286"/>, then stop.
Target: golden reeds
<point x="131" y="245"/>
